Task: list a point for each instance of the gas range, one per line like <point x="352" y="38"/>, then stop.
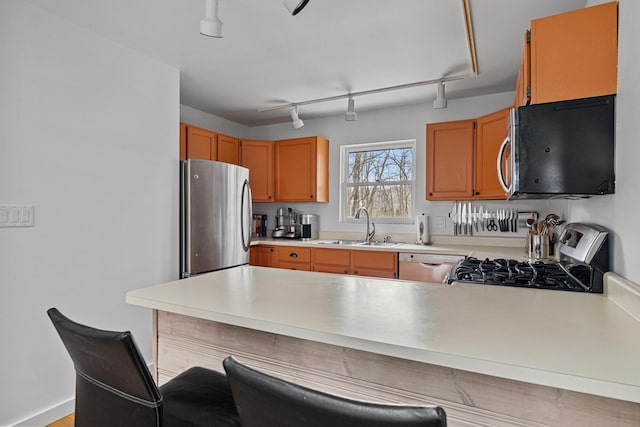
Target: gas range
<point x="584" y="258"/>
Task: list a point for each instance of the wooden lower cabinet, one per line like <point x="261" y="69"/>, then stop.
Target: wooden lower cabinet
<point x="262" y="256"/>
<point x="326" y="260"/>
<point x="381" y="264"/>
<point x="293" y="258"/>
<point x="375" y="264"/>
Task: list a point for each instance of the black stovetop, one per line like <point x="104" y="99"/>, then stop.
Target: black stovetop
<point x="529" y="274"/>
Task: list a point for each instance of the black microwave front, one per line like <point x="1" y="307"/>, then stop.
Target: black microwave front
<point x="559" y="150"/>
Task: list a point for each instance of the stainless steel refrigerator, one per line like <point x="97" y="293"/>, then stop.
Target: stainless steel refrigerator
<point x="215" y="216"/>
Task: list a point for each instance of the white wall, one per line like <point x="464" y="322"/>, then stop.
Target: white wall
<point x="88" y="135"/>
<point x="618" y="212"/>
<point x="408" y="122"/>
<point x="209" y="121"/>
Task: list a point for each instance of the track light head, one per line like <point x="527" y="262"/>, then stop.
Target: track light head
<point x="351" y="115"/>
<point x="295" y="6"/>
<point x="441" y="101"/>
<point x="211" y="25"/>
<point x="296" y="122"/>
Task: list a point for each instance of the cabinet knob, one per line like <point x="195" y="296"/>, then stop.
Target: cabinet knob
<point x="431" y="194"/>
<point x="477" y="193"/>
<point x="269" y="197"/>
<point x="311" y="196"/>
<point x="270" y="249"/>
<point x="355" y="272"/>
<point x="293" y="255"/>
<point x="346" y="270"/>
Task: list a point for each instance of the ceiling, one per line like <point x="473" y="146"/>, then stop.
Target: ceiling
<point x="332" y="47"/>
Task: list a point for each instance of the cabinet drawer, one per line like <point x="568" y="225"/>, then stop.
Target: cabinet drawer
<point x="337" y="257"/>
<point x="294" y="254"/>
<point x="377" y="260"/>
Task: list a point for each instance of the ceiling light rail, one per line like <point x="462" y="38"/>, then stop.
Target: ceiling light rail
<point x="365" y="92"/>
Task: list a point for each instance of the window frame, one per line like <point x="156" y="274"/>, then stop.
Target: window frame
<point x="345" y="150"/>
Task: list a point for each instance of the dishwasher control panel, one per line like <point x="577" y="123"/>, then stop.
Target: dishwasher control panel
<point x="430" y="258"/>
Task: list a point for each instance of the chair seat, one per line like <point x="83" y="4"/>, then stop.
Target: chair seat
<point x="198" y="397"/>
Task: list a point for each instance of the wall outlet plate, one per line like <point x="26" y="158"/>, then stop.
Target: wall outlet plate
<point x="16" y="215"/>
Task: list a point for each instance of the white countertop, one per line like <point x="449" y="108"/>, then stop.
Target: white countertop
<point x="574" y="341"/>
<point x="475" y="247"/>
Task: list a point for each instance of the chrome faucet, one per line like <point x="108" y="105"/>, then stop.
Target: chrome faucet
<point x="371" y="233"/>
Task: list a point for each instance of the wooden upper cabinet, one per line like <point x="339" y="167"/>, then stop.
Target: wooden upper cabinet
<point x="302" y="170"/>
<point x="228" y="149"/>
<point x="574" y="54"/>
<point x="450" y="160"/>
<point x="183" y="141"/>
<point x="257" y="156"/>
<point x="523" y="85"/>
<point x="491" y="131"/>
<point x="201" y="143"/>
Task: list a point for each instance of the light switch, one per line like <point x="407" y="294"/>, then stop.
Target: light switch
<point x="16" y="215"/>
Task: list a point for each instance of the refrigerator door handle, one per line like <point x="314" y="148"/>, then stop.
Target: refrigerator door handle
<point x="246" y="193"/>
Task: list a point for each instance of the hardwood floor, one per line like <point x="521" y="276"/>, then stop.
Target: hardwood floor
<point x="67" y="421"/>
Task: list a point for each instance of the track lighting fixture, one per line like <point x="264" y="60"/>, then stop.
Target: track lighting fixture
<point x="351" y="115"/>
<point x="296" y="122"/>
<point x="295" y="6"/>
<point x="441" y="101"/>
<point x="211" y="25"/>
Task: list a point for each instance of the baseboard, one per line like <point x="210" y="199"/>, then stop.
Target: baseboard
<point x="54" y="413"/>
<point x="50" y="415"/>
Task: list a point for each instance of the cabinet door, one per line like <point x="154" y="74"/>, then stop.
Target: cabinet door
<point x="301" y="170"/>
<point x="228" y="149"/>
<point x="262" y="256"/>
<point x="375" y="263"/>
<point x="450" y="160"/>
<point x="490" y="133"/>
<point x="574" y="54"/>
<point x="331" y="260"/>
<point x="523" y="85"/>
<point x="257" y="156"/>
<point x="201" y="143"/>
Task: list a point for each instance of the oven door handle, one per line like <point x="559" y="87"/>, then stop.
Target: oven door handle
<point x="499" y="165"/>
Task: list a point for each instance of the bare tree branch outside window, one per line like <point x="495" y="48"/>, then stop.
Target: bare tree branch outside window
<point x="381" y="180"/>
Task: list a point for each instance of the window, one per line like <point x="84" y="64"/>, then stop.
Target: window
<point x="380" y="177"/>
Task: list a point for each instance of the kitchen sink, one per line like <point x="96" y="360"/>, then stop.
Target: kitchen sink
<point x="341" y="242"/>
<point x="387" y="244"/>
<point x="357" y="243"/>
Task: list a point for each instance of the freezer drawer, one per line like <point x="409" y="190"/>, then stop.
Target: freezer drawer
<point x="432" y="268"/>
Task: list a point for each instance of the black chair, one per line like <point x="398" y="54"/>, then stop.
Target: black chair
<point x="266" y="401"/>
<point x="115" y="388"/>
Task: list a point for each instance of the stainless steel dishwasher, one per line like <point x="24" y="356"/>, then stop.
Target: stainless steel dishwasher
<point x="433" y="268"/>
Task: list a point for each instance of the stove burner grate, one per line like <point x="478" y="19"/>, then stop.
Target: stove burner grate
<point x="509" y="272"/>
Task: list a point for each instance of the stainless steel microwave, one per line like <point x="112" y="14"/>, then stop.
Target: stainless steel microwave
<point x="559" y="150"/>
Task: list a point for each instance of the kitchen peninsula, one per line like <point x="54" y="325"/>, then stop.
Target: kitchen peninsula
<point x="489" y="355"/>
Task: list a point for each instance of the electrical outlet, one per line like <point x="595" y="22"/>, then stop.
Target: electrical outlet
<point x="439" y="222"/>
<point x="16" y="215"/>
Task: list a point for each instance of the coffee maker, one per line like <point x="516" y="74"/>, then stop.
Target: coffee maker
<point x="309" y="224"/>
<point x="292" y="230"/>
<point x="279" y="231"/>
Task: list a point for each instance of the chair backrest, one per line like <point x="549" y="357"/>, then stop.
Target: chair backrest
<point x="113" y="384"/>
<point x="263" y="400"/>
